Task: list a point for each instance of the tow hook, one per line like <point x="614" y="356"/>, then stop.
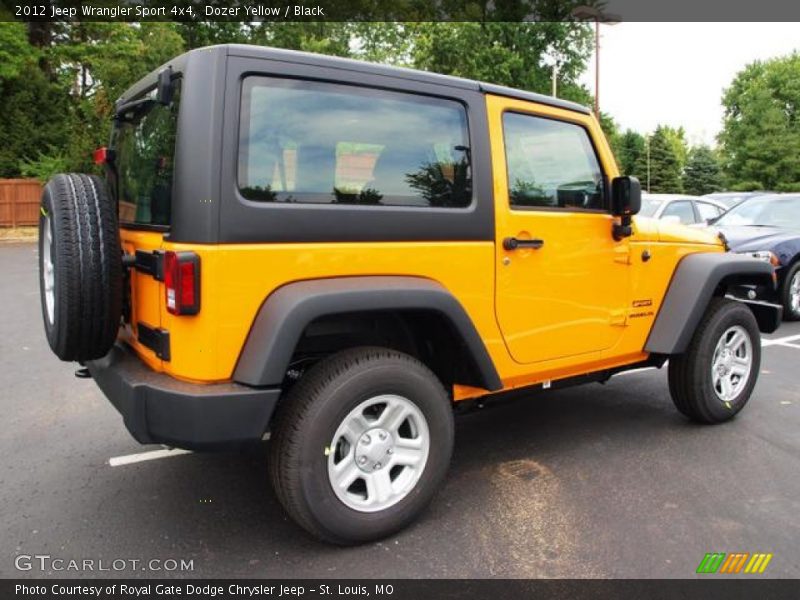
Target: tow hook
<point x="83" y="372"/>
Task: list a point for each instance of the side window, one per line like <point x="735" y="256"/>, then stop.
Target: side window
<point x="321" y="143"/>
<point x="707" y="211"/>
<point x="551" y="164"/>
<point x="681" y="209"/>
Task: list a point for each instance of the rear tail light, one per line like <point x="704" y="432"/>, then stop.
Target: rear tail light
<point x="100" y="156"/>
<point x="182" y="282"/>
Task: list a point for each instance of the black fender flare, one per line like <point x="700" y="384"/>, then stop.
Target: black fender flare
<point x="694" y="282"/>
<point x="288" y="310"/>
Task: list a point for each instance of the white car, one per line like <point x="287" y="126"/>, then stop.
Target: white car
<point x="681" y="208"/>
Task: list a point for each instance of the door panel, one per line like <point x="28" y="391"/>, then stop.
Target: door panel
<point x="568" y="297"/>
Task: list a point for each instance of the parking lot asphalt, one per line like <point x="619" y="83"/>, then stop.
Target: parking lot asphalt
<point x="591" y="481"/>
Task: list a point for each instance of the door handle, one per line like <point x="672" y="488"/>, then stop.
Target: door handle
<point x="512" y="243"/>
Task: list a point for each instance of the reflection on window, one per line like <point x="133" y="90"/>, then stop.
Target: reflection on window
<point x="551" y="164"/>
<point x="144" y="145"/>
<point x="311" y="142"/>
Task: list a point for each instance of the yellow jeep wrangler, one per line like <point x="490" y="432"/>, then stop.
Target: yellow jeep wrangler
<point x="334" y="254"/>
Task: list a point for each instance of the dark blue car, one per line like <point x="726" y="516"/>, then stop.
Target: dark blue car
<point x="768" y="228"/>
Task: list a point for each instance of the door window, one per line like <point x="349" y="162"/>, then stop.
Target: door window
<point x="551" y="164"/>
<point x="681" y="209"/>
<point x="708" y="211"/>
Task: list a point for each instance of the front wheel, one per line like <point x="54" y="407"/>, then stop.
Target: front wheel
<point x="791" y="294"/>
<point x="361" y="444"/>
<point x="713" y="379"/>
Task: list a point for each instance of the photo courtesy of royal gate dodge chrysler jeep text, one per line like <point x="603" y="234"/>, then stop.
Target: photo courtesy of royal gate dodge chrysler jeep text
<point x="336" y="254"/>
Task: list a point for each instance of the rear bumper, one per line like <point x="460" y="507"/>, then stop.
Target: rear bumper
<point x="157" y="408"/>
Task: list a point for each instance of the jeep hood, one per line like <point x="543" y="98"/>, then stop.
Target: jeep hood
<point x="654" y="230"/>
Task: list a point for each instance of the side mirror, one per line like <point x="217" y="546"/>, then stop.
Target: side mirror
<point x="626" y="201"/>
<point x="164" y="87"/>
<point x="626" y="196"/>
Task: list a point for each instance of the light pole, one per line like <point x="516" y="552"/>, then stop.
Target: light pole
<point x="555" y="80"/>
<point x="590" y="13"/>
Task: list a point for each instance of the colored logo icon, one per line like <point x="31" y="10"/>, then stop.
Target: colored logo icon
<point x="734" y="563"/>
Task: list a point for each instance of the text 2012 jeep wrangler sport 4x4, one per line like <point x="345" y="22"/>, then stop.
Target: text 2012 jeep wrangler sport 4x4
<point x="336" y="253"/>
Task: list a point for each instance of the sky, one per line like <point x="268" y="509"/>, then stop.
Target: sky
<point x="675" y="73"/>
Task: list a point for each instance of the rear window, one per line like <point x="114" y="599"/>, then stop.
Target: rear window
<point x="312" y="142"/>
<point x="144" y="148"/>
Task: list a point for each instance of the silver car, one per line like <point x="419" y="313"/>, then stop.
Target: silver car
<point x="681" y="208"/>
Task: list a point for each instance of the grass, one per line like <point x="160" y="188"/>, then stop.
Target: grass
<point x="19" y="234"/>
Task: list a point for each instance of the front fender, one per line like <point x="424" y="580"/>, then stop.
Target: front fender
<point x="695" y="281"/>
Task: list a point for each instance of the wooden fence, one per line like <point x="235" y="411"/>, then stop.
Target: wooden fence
<point x="19" y="202"/>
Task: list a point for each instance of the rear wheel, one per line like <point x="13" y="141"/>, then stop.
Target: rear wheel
<point x="361" y="444"/>
<point x="80" y="267"/>
<point x="791" y="294"/>
<point x="713" y="380"/>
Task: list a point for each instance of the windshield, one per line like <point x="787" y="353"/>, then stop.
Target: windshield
<point x="765" y="211"/>
<point x="649" y="207"/>
<point x="143" y="142"/>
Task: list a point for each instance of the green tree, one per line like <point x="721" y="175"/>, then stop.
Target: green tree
<point x="512" y="54"/>
<point x="59" y="81"/>
<point x="59" y="107"/>
<point x="35" y="119"/>
<point x="702" y="174"/>
<point x="630" y="152"/>
<point x="16" y="53"/>
<point x="332" y="38"/>
<point x="665" y="168"/>
<point x="677" y="138"/>
<point x="760" y="138"/>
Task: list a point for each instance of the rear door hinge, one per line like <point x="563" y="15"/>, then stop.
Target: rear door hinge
<point x="155" y="338"/>
<point x="150" y="262"/>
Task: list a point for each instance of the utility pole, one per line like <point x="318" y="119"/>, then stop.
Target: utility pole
<point x="590" y="13"/>
<point x="647" y="144"/>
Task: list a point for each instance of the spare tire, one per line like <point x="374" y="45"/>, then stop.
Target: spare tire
<point x="80" y="267"/>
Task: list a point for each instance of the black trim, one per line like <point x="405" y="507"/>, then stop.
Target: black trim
<point x="285" y="314"/>
<point x="695" y="280"/>
<point x="157" y="408"/>
<point x="151" y="263"/>
<point x="155" y="338"/>
<point x="144" y="226"/>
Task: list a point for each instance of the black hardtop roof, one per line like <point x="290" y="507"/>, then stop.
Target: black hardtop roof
<point x="398" y="72"/>
<point x="334" y="62"/>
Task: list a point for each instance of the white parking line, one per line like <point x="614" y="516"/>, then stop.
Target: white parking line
<point x="130" y="459"/>
<point x="780" y="341"/>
